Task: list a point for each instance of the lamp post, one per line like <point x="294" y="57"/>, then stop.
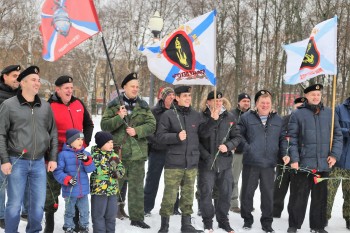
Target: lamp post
<point x="155" y="25"/>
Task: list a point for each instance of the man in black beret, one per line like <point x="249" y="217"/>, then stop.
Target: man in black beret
<point x="28" y="132"/>
<point x="179" y="128"/>
<point x="309" y="129"/>
<point x="69" y="112"/>
<point x="128" y="78"/>
<point x="282" y="184"/>
<point x="8" y="88"/>
<point x="243" y="105"/>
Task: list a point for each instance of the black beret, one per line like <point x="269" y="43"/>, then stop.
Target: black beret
<point x="9" y="69"/>
<point x="243" y="96"/>
<point x="128" y="78"/>
<point x="63" y="79"/>
<point x="28" y="71"/>
<point x="182" y="89"/>
<point x="316" y="87"/>
<point x="211" y="95"/>
<point x="261" y="92"/>
<point x="299" y="100"/>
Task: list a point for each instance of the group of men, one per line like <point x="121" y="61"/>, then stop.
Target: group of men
<point x="214" y="144"/>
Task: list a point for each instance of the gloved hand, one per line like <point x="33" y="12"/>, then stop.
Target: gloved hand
<point x="114" y="161"/>
<point x="119" y="172"/>
<point x="72" y="181"/>
<point x="83" y="157"/>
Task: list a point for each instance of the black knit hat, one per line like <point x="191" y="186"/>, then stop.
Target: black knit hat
<point x="182" y="89"/>
<point x="63" y="79"/>
<point x="128" y="78"/>
<point x="261" y="92"/>
<point x="72" y="135"/>
<point x="9" y="69"/>
<point x="102" y="138"/>
<point x="28" y="71"/>
<point x="211" y="95"/>
<point x="243" y="96"/>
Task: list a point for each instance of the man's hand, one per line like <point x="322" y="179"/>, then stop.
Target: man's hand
<point x="331" y="161"/>
<point x="214" y="113"/>
<point x="122" y="112"/>
<point x="295" y="165"/>
<point x="51" y="166"/>
<point x="131" y="131"/>
<point x="183" y="135"/>
<point x="286" y="159"/>
<point x="6" y="168"/>
<point x="72" y="181"/>
<point x="223" y="148"/>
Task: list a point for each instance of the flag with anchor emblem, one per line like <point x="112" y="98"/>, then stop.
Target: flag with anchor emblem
<point x="187" y="55"/>
<point x="65" y="24"/>
<point x="313" y="56"/>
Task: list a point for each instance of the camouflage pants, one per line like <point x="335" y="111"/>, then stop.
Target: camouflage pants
<point x="53" y="190"/>
<point x="173" y="179"/>
<point x="134" y="175"/>
<point x="332" y="190"/>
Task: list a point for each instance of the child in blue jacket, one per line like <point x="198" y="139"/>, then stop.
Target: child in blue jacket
<point x="73" y="166"/>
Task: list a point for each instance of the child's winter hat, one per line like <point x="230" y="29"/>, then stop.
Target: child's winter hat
<point x="102" y="138"/>
<point x="72" y="135"/>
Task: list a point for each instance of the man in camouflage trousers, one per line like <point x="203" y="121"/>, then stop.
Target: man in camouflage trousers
<point x="130" y="125"/>
<point x="179" y="128"/>
<point x="342" y="167"/>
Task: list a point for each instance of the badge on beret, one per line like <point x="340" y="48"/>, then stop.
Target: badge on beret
<point x="18" y="68"/>
<point x="317" y="87"/>
<point x="262" y="92"/>
<point x="134" y="75"/>
<point x="36" y="71"/>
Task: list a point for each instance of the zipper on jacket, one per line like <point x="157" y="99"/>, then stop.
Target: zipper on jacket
<point x="71" y="117"/>
<point x="34" y="133"/>
<point x="183" y="116"/>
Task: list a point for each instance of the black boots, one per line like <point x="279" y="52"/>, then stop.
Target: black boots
<point x="49" y="222"/>
<point x="164" y="227"/>
<point x="186" y="226"/>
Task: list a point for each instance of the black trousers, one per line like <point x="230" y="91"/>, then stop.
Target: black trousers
<point x="300" y="187"/>
<point x="207" y="179"/>
<point x="251" y="178"/>
<point x="280" y="190"/>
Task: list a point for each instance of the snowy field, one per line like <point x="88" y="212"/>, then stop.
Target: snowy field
<point x="335" y="225"/>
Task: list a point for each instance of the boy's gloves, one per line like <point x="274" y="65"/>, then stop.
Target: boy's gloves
<point x="72" y="181"/>
<point x="83" y="157"/>
<point x="114" y="161"/>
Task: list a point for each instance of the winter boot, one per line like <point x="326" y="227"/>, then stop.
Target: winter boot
<point x="122" y="211"/>
<point x="49" y="222"/>
<point x="348" y="224"/>
<point x="186" y="226"/>
<point x="164" y="227"/>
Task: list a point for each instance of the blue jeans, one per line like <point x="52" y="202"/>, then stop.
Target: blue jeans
<point x="32" y="172"/>
<point x="83" y="206"/>
<point x="3" y="185"/>
<point x="156" y="160"/>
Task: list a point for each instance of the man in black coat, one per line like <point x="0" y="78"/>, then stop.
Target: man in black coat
<point x="282" y="176"/>
<point x="180" y="128"/>
<point x="309" y="129"/>
<point x="262" y="134"/>
<point x="215" y="163"/>
<point x="8" y="88"/>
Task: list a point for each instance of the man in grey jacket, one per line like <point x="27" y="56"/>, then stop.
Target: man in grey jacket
<point x="27" y="132"/>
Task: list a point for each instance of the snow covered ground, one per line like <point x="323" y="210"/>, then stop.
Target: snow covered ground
<point x="335" y="225"/>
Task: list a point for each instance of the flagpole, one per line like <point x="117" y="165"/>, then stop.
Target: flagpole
<point x="333" y="110"/>
<point x="111" y="68"/>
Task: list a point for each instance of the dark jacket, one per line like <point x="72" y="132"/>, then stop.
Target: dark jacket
<point x="343" y="112"/>
<point x="153" y="143"/>
<point x="237" y="113"/>
<point x="261" y="142"/>
<point x="209" y="145"/>
<point x="6" y="92"/>
<point x="74" y="115"/>
<point x="26" y="127"/>
<point x="310" y="137"/>
<point x="182" y="154"/>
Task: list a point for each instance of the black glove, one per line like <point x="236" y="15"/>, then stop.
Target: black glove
<point x="72" y="181"/>
<point x="114" y="161"/>
<point x="83" y="157"/>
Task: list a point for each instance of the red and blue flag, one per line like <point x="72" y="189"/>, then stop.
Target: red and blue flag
<point x="65" y="24"/>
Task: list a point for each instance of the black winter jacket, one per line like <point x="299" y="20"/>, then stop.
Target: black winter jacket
<point x="261" y="142"/>
<point x="237" y="113"/>
<point x="6" y="92"/>
<point x="310" y="138"/>
<point x="183" y="154"/>
<point x="209" y="145"/>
